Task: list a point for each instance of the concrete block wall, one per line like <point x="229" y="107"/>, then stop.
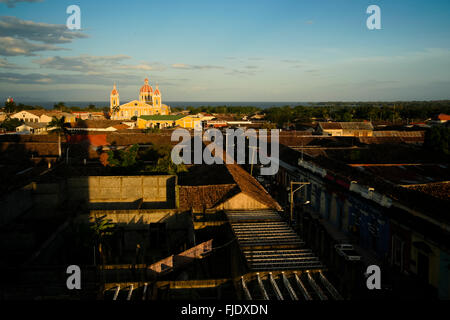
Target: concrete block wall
<point x="149" y="189"/>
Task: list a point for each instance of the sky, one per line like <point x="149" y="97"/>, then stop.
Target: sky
<point x="301" y="50"/>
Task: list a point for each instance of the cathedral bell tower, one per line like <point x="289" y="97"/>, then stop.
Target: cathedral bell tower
<point x="114" y="102"/>
<point x="157" y="97"/>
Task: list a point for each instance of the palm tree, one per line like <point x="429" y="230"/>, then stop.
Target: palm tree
<point x="102" y="229"/>
<point x="57" y="126"/>
<point x="115" y="109"/>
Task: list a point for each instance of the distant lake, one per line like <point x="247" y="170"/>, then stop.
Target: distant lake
<point x="183" y="104"/>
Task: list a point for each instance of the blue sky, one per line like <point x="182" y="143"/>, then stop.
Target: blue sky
<point x="302" y="50"/>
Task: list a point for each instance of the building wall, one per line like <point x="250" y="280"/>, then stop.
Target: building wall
<point x="103" y="192"/>
<point x="241" y="201"/>
<point x="139" y="108"/>
<point x="337" y="132"/>
<point x="26" y="116"/>
<point x="372" y="227"/>
<point x="98" y="189"/>
<point x="185" y="122"/>
<point x="444" y="275"/>
<point x="433" y="258"/>
<point x="357" y="133"/>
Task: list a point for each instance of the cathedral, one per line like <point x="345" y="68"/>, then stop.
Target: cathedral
<point x="149" y="103"/>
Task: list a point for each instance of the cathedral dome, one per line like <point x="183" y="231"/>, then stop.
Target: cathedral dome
<point x="146" y="88"/>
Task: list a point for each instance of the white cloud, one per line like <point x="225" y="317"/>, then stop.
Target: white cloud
<point x="12" y="3"/>
<point x="194" y="67"/>
<point x="5" y="64"/>
<point x="37" y="31"/>
<point x="10" y="46"/>
<point x="82" y="63"/>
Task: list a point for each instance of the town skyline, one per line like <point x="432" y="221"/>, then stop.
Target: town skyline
<point x="203" y="51"/>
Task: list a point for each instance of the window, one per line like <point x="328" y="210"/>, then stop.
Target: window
<point x="397" y="251"/>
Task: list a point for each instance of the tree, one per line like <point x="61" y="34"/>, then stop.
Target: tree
<point x="437" y="138"/>
<point x="10" y="106"/>
<point x="102" y="229"/>
<point x="59" y="106"/>
<point x="58" y="126"/>
<point x="115" y="110"/>
<point x="161" y="155"/>
<point x="123" y="158"/>
<point x="10" y="124"/>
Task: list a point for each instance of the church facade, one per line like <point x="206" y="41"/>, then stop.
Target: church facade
<point x="149" y="103"/>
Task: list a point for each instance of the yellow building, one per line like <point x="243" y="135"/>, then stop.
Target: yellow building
<point x="149" y="103"/>
<point x="166" y="121"/>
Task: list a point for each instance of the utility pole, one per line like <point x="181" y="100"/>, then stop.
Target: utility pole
<point x="302" y="184"/>
<point x="251" y="162"/>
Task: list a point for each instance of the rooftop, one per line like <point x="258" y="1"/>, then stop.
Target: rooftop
<point x="402" y="181"/>
<point x="97" y="124"/>
<point x="208" y="185"/>
<point x="40" y="112"/>
<point x="346" y="125"/>
<point x="407" y="174"/>
<point x="163" y="117"/>
<point x="440" y="190"/>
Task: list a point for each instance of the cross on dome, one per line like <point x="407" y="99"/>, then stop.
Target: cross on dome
<point x="146" y="88"/>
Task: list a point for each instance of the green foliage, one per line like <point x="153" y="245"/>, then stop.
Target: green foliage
<point x="60" y="106"/>
<point x="437" y="139"/>
<point x="134" y="118"/>
<point x="22" y="106"/>
<point x="102" y="227"/>
<point x="57" y="125"/>
<point x="165" y="165"/>
<point x="239" y="110"/>
<point x="155" y="152"/>
<point x="133" y="160"/>
<point x="357" y="111"/>
<point x="123" y="158"/>
<point x="152" y="130"/>
<point x="102" y="230"/>
<point x="10" y="124"/>
<point x="161" y="156"/>
<point x="10" y="106"/>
